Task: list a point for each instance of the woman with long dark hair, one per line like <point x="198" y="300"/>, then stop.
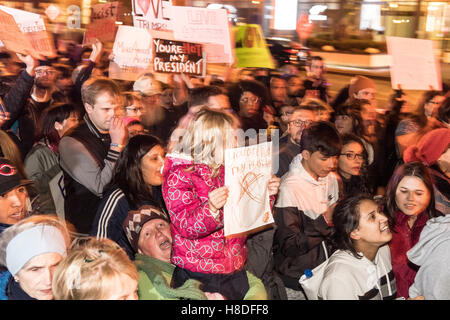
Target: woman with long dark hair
<point x="352" y="166"/>
<point x="136" y="181"/>
<point x="41" y="163"/>
<point x="410" y="203"/>
<point x="360" y="268"/>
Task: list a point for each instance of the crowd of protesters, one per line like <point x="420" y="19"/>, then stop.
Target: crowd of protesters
<point x="113" y="189"/>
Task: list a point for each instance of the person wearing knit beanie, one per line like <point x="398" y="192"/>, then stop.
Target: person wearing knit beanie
<point x="362" y="88"/>
<point x="429" y="148"/>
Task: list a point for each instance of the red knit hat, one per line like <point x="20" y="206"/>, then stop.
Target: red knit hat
<point x="429" y="148"/>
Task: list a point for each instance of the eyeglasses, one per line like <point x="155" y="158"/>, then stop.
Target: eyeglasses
<point x="353" y="156"/>
<point x="301" y="123"/>
<point x="250" y="100"/>
<point x="134" y="109"/>
<point x="42" y="72"/>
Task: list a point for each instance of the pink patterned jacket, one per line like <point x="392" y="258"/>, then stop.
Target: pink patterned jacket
<point x="199" y="244"/>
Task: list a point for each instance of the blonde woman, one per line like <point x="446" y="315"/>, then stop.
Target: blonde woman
<point x="194" y="193"/>
<point x="31" y="249"/>
<point x="96" y="269"/>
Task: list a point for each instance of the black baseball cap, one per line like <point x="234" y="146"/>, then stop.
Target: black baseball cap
<point x="10" y="177"/>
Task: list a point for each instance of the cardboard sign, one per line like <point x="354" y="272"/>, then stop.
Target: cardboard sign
<point x="178" y="57"/>
<point x="247" y="174"/>
<point x="207" y="26"/>
<point x="414" y="65"/>
<point x="25" y="32"/>
<point x="103" y="23"/>
<point x="132" y="52"/>
<point x="250" y="47"/>
<point x="152" y="14"/>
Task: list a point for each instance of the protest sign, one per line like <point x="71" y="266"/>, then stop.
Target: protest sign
<point x="132" y="53"/>
<point x="247" y="174"/>
<point x="414" y="65"/>
<point x="103" y="23"/>
<point x="25" y="32"/>
<point x="251" y="48"/>
<point x="207" y="26"/>
<point x="152" y="14"/>
<point x="178" y="57"/>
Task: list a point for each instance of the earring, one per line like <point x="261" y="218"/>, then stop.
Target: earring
<point x="16" y="279"/>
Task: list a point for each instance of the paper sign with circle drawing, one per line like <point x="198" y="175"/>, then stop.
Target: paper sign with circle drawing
<point x="247" y="174"/>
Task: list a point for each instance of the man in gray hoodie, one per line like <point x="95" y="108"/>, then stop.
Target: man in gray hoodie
<point x="432" y="254"/>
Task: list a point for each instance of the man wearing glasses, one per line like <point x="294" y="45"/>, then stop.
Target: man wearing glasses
<point x="43" y="93"/>
<point x="301" y="118"/>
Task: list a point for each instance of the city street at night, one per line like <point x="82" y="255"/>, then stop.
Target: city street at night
<point x="250" y="152"/>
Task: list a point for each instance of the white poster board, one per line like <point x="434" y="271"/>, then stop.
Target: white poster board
<point x="414" y="65"/>
<point x="152" y="14"/>
<point x="207" y="26"/>
<point x="132" y="53"/>
<point x="247" y="174"/>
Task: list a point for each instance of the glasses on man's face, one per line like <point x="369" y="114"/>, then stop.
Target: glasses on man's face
<point x="353" y="156"/>
<point x="301" y="123"/>
<point x="47" y="72"/>
<point x="250" y="100"/>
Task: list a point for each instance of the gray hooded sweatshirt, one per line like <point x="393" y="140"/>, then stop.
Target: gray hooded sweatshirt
<point x="432" y="254"/>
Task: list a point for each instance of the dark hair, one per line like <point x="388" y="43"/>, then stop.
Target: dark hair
<point x="345" y="219"/>
<point x="199" y="96"/>
<point x="257" y="88"/>
<point x="364" y="173"/>
<point x="410" y="169"/>
<point x="357" y="104"/>
<point x="65" y="71"/>
<point x="352" y="112"/>
<point x="57" y="112"/>
<point x="444" y="111"/>
<point x="127" y="173"/>
<point x="322" y="137"/>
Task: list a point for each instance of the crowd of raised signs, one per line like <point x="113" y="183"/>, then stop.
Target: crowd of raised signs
<point x="113" y="189"/>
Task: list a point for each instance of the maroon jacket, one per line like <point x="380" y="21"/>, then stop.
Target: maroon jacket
<point x="403" y="239"/>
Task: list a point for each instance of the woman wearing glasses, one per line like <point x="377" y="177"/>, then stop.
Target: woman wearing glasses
<point x="247" y="98"/>
<point x="352" y="166"/>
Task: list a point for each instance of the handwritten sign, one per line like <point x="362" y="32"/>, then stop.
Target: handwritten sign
<point x="247" y="174"/>
<point x="178" y="57"/>
<point x="414" y="65"/>
<point x="251" y="48"/>
<point x="207" y="26"/>
<point x="103" y="23"/>
<point x="152" y="14"/>
<point x="132" y="53"/>
<point x="25" y="32"/>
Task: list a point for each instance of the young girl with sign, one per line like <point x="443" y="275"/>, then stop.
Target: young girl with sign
<point x="194" y="192"/>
